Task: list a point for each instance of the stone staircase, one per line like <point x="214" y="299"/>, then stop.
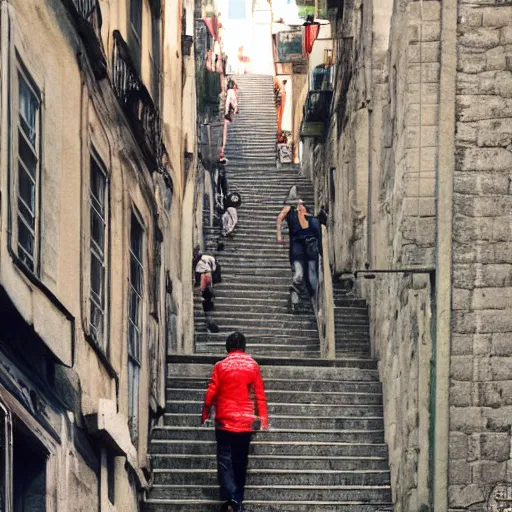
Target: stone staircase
<point x="325" y="446"/>
<point x="256" y="272"/>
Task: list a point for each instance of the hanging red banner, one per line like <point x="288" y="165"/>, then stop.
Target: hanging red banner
<point x="310" y="34"/>
<point x="212" y="25"/>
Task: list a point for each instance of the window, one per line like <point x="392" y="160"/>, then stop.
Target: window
<point x="135" y="322"/>
<point x="27" y="171"/>
<point x="98" y="248"/>
<point x="111" y="478"/>
<point x="29" y="472"/>
<point x="5" y="443"/>
<point x="155" y="56"/>
<point x="23" y="467"/>
<point x="136" y="17"/>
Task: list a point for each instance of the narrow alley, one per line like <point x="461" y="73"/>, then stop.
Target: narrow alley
<point x="325" y="447"/>
<point x="255" y="255"/>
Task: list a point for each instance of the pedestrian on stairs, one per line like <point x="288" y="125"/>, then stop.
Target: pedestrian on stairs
<point x="233" y="381"/>
<point x="230" y="109"/>
<point x="305" y="249"/>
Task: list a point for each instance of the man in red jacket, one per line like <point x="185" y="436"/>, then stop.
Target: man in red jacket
<point x="233" y="381"/>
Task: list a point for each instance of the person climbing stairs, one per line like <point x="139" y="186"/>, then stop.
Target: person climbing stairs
<point x="325" y="448"/>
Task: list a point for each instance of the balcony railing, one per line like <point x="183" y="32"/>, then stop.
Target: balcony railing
<point x="316" y="114"/>
<point x="318" y="106"/>
<point x="87" y="17"/>
<point x="136" y="103"/>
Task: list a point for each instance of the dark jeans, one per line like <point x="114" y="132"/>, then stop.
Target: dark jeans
<point x="232" y="456"/>
<point x="304" y="267"/>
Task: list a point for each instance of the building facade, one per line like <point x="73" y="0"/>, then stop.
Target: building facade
<point x="415" y="171"/>
<point x="96" y="152"/>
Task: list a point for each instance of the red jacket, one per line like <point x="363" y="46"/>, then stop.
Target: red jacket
<point x="234" y="380"/>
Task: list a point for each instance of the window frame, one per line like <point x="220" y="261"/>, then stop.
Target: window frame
<point x="155" y="55"/>
<point x="104" y="343"/>
<point x="7" y="462"/>
<point x="22" y="75"/>
<point x="135" y="360"/>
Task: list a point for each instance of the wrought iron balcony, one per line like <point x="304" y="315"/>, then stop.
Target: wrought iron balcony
<point x="316" y="114"/>
<point x="137" y="104"/>
<point x="87" y="17"/>
<point x="318" y="106"/>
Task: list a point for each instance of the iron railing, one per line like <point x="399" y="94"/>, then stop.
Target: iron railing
<point x="136" y="103"/>
<point x="90" y="11"/>
<point x="87" y="17"/>
<point x="318" y="106"/>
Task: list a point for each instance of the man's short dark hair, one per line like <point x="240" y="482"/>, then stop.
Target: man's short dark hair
<point x="235" y="341"/>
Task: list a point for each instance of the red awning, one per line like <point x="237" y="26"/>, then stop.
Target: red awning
<point x="213" y="26"/>
<point x="310" y="34"/>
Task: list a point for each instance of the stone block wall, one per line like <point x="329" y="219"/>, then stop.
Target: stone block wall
<point x="481" y="348"/>
<point x="382" y="202"/>
<point x="402" y="235"/>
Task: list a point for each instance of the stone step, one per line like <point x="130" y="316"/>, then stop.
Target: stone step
<point x="264" y="351"/>
<point x="277" y="295"/>
<point x="202" y="477"/>
<point x="292" y="422"/>
<point x="364" y="370"/>
<point x="286" y="397"/>
<point x="269" y="492"/>
<point x="266" y="307"/>
<point x="255" y="342"/>
<point x="277" y="435"/>
<point x="265" y="462"/>
<point x="290" y="409"/>
<point x="276" y="349"/>
<point x="262" y="329"/>
<point x="260" y="333"/>
<point x="272" y="322"/>
<point x="203" y="348"/>
<point x="254" y="306"/>
<point x="269" y="506"/>
<point x="319" y="386"/>
<point x="279" y="448"/>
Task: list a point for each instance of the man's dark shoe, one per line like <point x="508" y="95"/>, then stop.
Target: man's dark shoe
<point x="230" y="506"/>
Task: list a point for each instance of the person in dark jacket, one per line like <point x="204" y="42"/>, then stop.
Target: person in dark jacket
<point x="233" y="381"/>
<point x="305" y="248"/>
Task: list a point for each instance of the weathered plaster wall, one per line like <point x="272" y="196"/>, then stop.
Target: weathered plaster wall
<point x="481" y="360"/>
<point x="79" y="115"/>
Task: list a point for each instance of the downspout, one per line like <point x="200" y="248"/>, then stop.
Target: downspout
<point x="444" y="219"/>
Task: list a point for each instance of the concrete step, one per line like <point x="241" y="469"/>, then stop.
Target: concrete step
<point x="266" y="462"/>
<point x="271" y="368"/>
<point x="269" y="506"/>
<point x="290" y="409"/>
<point x="268" y="492"/>
<point x="262" y="350"/>
<point x="245" y="310"/>
<point x="277" y="435"/>
<point x="319" y="386"/>
<point x="283" y="477"/>
<point x="287" y="397"/>
<point x="292" y="422"/>
<point x="280" y="448"/>
<point x="272" y="322"/>
<point x="250" y="306"/>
